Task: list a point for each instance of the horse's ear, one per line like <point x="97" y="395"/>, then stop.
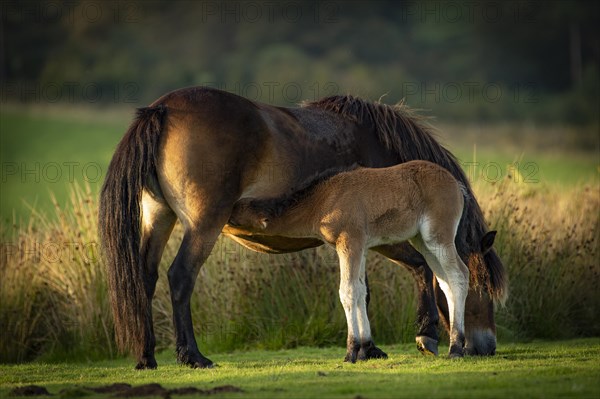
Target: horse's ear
<point x="487" y="241"/>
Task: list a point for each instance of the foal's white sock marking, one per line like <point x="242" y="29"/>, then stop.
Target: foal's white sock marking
<point x="446" y="265"/>
<point x="348" y="294"/>
<point x="353" y="294"/>
<point x="363" y="320"/>
<point x="455" y="286"/>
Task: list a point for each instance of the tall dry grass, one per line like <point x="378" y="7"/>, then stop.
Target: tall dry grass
<point x="53" y="290"/>
<point x="549" y="243"/>
<point x="53" y="298"/>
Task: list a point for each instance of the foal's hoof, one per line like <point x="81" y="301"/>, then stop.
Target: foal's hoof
<point x="456" y="352"/>
<point x="352" y="349"/>
<point x="427" y="346"/>
<point x="146" y="364"/>
<point x="370" y="351"/>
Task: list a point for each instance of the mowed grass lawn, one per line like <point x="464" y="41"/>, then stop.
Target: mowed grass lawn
<point x="525" y="370"/>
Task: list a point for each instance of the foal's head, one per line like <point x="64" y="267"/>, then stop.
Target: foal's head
<point x="249" y="214"/>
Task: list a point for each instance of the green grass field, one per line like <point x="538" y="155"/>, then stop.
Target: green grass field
<point x="532" y="370"/>
<point x="45" y="151"/>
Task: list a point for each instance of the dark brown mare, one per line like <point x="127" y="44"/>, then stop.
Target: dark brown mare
<point x="193" y="153"/>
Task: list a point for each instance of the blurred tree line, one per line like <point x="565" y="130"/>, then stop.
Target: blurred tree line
<point x="515" y="60"/>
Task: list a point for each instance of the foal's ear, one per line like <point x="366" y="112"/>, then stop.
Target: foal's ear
<point x="487" y="241"/>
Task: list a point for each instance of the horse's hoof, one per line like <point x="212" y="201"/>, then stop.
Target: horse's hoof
<point x="195" y="360"/>
<point x="427" y="346"/>
<point x="204" y="364"/>
<point x="454" y="355"/>
<point x="198" y="363"/>
<point x="370" y="351"/>
<point x="146" y="363"/>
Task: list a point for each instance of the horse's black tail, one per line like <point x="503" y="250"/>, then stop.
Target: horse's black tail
<point x="119" y="218"/>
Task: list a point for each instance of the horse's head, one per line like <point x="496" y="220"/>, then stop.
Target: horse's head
<point x="248" y="215"/>
<point x="487" y="286"/>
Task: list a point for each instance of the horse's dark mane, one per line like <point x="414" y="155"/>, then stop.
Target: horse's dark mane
<point x="277" y="206"/>
<point x="398" y="127"/>
<point x="408" y="135"/>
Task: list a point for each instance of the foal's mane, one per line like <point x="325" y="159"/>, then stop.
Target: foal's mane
<point x="408" y="134"/>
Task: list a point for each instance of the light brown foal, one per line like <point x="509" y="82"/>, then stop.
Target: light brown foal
<point x="417" y="201"/>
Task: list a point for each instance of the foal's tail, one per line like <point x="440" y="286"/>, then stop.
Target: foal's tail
<point x="133" y="163"/>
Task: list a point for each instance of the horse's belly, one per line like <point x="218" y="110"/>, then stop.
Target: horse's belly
<point x="270" y="244"/>
<point x="388" y="240"/>
<point x="389" y="235"/>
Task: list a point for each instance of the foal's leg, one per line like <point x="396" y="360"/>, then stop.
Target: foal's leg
<point x="453" y="279"/>
<point x="427" y="314"/>
<point x="353" y="295"/>
<point x="480" y="329"/>
<point x="157" y="223"/>
<point x="455" y="286"/>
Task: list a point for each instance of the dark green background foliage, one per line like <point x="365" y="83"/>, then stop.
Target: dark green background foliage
<point x="475" y="60"/>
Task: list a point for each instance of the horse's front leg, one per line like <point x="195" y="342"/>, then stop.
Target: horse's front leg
<point x="427" y="312"/>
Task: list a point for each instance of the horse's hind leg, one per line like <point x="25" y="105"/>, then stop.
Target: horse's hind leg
<point x="427" y="314"/>
<point x="157" y="223"/>
<point x="201" y="233"/>
<point x="369" y="351"/>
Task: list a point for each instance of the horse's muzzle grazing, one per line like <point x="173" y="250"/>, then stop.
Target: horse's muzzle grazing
<point x="480" y="342"/>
